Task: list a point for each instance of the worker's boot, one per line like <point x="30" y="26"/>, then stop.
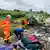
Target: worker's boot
<point x="5" y="42"/>
<point x="8" y="42"/>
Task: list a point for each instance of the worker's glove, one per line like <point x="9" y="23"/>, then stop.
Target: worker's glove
<point x="26" y="49"/>
<point x="20" y="44"/>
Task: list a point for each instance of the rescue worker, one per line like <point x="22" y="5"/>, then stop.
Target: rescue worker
<point x="6" y="24"/>
<point x="19" y="34"/>
<point x="26" y="23"/>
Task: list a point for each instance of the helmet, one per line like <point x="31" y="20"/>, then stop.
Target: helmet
<point x="19" y="30"/>
<point x="8" y="16"/>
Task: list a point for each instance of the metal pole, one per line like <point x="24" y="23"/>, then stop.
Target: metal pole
<point x="30" y="14"/>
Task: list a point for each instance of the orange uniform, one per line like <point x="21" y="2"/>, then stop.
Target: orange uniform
<point x="25" y="22"/>
<point x="6" y="29"/>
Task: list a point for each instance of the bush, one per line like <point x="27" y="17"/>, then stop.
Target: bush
<point x="17" y="16"/>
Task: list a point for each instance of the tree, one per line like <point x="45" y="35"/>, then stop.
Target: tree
<point x="41" y="12"/>
<point x="46" y="15"/>
<point x="16" y="10"/>
<point x="19" y="15"/>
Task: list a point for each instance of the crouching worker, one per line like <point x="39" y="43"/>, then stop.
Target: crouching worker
<point x="19" y="34"/>
<point x="6" y="24"/>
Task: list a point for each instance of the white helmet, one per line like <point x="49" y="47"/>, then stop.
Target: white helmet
<point x="8" y="16"/>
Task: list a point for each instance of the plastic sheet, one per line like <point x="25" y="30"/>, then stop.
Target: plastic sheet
<point x="4" y="47"/>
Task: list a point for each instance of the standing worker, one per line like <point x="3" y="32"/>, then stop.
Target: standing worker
<point x="26" y="23"/>
<point x="6" y="24"/>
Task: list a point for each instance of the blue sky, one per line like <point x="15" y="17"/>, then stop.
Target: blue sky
<point x="26" y="4"/>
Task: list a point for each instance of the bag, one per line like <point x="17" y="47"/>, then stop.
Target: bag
<point x="33" y="38"/>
